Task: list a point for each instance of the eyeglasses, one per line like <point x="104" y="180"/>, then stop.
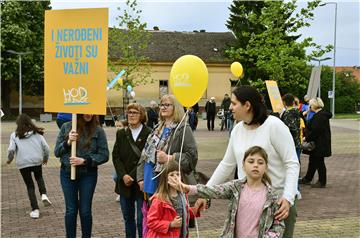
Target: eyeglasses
<point x="165" y="105"/>
<point x="133" y="113"/>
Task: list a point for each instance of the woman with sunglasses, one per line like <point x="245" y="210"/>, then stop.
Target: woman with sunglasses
<point x="128" y="145"/>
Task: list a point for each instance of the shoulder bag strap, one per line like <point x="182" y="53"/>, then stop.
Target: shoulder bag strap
<point x="132" y="144"/>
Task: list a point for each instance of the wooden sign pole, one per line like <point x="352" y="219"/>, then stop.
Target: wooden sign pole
<point x="73" y="147"/>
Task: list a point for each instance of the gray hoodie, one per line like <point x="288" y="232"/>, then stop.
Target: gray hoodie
<point x="30" y="151"/>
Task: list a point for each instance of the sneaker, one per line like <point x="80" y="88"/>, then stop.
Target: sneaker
<point x="304" y="181"/>
<point x="35" y="214"/>
<point x="318" y="185"/>
<point x="117" y="199"/>
<point x="45" y="200"/>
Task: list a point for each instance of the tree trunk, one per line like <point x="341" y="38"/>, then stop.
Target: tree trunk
<point x="5" y="96"/>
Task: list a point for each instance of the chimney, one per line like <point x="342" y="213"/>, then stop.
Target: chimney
<point x="155" y="28"/>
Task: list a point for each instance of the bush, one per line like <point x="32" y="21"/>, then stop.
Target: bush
<point x="345" y="104"/>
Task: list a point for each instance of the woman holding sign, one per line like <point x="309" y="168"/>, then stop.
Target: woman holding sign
<point x="92" y="150"/>
<point x="257" y="128"/>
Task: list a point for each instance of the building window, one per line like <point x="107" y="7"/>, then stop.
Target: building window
<point x="163" y="87"/>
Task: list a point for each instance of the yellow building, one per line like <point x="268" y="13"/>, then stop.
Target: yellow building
<point x="165" y="47"/>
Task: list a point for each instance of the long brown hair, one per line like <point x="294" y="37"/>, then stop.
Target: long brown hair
<point x="86" y="128"/>
<point x="258" y="150"/>
<point x="163" y="188"/>
<point x="24" y="125"/>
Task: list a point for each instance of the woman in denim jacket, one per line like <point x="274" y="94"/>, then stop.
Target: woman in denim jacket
<point x="92" y="150"/>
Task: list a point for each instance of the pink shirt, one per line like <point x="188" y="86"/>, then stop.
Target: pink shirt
<point x="249" y="211"/>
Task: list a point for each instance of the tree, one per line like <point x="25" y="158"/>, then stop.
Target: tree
<point x="127" y="47"/>
<point x="270" y="48"/>
<point x="22" y="30"/>
<point x="347" y="92"/>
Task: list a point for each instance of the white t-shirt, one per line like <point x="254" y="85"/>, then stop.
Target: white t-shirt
<point x="275" y="138"/>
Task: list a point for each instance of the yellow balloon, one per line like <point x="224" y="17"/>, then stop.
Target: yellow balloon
<point x="236" y="69"/>
<point x="120" y="81"/>
<point x="188" y="79"/>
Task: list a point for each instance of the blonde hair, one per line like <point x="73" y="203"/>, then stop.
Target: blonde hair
<point x="163" y="189"/>
<point x="259" y="150"/>
<point x="316" y="103"/>
<point x="178" y="111"/>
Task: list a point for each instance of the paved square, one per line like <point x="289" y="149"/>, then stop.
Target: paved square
<point x="330" y="212"/>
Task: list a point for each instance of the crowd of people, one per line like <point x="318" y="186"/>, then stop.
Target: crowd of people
<point x="155" y="156"/>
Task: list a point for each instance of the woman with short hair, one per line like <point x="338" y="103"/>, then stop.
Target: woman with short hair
<point x="318" y="131"/>
<point x="129" y="143"/>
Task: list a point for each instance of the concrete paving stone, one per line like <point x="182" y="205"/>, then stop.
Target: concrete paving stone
<point x="330" y="212"/>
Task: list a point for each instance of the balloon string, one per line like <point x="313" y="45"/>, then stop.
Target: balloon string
<point x="181" y="149"/>
<point x="181" y="190"/>
<point x="168" y="151"/>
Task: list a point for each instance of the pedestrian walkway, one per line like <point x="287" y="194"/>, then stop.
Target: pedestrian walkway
<point x="330" y="212"/>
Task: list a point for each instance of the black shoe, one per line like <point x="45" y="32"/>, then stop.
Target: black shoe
<point x="191" y="223"/>
<point x="304" y="181"/>
<point x="318" y="185"/>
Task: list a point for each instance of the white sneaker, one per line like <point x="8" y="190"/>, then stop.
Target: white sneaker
<point x="45" y="200"/>
<point x="117" y="199"/>
<point x="35" y="214"/>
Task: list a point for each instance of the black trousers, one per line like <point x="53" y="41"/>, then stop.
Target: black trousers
<point x="26" y="174"/>
<point x="316" y="163"/>
<point x="210" y="121"/>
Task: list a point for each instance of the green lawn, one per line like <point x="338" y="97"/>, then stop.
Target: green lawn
<point x="347" y="116"/>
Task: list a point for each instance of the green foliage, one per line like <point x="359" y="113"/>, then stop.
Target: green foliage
<point x="347" y="90"/>
<point x="345" y="104"/>
<point x="267" y="46"/>
<point x="22" y="30"/>
<point x="127" y="46"/>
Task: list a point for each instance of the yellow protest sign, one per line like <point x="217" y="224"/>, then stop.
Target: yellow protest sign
<point x="274" y="95"/>
<point x="75" y="63"/>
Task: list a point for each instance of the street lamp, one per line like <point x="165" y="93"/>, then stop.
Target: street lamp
<point x="20" y="81"/>
<point x="319" y="60"/>
<point x="334" y="58"/>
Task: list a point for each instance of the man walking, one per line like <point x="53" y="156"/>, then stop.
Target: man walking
<point x="210" y="109"/>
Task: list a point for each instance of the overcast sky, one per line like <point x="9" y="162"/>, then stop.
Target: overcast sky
<point x="211" y="15"/>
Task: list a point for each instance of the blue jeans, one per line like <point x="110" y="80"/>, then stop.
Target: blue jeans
<point x="78" y="196"/>
<point x="128" y="210"/>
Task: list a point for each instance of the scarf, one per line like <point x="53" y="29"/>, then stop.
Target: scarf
<point x="157" y="140"/>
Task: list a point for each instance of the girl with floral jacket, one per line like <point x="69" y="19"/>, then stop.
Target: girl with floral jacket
<point x="253" y="202"/>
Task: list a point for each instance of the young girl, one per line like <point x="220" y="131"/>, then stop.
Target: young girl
<point x="31" y="152"/>
<point x="169" y="212"/>
<point x="253" y="202"/>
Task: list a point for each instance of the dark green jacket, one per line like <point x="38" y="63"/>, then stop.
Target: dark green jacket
<point x="125" y="159"/>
